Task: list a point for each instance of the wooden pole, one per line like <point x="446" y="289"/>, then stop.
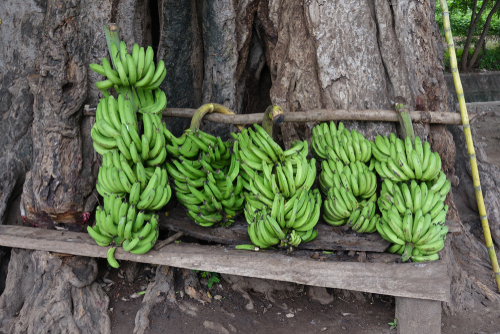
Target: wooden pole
<point x="322" y="115"/>
<point x="470" y="145"/>
<point x="319" y="115"/>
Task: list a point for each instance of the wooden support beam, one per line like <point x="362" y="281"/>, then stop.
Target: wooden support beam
<point x="411" y="280"/>
<point x="317" y="115"/>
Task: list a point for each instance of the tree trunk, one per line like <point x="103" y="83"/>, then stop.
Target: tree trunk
<point x="48" y="294"/>
<point x="299" y="54"/>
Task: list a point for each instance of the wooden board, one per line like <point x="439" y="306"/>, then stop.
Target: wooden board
<point x="412" y="280"/>
<point x="329" y="237"/>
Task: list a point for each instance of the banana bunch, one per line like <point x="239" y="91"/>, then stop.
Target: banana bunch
<point x="402" y="161"/>
<point x="124" y="225"/>
<point x="416" y="197"/>
<point x="192" y="145"/>
<point x="206" y="177"/>
<point x="136" y="70"/>
<point x="257" y="145"/>
<point x="286" y="179"/>
<point x="356" y="176"/>
<point x="415" y="236"/>
<point x="117" y="127"/>
<point x="129" y="135"/>
<point x="340" y="144"/>
<point x="277" y="171"/>
<point x="342" y="208"/>
<point x="281" y="221"/>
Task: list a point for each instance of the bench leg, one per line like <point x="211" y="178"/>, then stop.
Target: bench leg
<point x="418" y="316"/>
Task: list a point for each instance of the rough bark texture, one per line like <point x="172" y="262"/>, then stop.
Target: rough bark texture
<point x="48" y="294"/>
<point x="206" y="46"/>
<point x="161" y="288"/>
<point x="362" y="54"/>
<point x="181" y="49"/>
<point x="300" y="54"/>
<point x="61" y="175"/>
<point x="45" y="80"/>
<point x="20" y="36"/>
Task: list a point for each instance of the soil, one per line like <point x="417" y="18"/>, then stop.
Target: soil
<point x="292" y="312"/>
<point x="487" y="127"/>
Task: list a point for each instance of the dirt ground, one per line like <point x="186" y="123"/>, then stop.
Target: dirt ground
<point x="487" y="127"/>
<point x="292" y="312"/>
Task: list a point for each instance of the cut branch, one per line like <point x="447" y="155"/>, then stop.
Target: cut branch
<point x="321" y="115"/>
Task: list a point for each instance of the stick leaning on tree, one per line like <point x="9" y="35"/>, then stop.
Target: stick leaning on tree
<point x="470" y="145"/>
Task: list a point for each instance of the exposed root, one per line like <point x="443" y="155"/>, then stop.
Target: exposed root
<point x="50" y="294"/>
<point x="157" y="291"/>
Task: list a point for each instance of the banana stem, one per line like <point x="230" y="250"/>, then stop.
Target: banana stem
<point x="470" y="144"/>
<point x="208" y="109"/>
<point x="111" y="33"/>
<point x="405" y="121"/>
<point x="272" y="115"/>
<point x="112" y="37"/>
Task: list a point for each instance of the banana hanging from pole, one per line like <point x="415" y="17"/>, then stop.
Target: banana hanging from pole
<point x="132" y="179"/>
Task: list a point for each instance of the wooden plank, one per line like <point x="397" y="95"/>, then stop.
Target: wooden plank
<point x="317" y="115"/>
<point x="329" y="237"/>
<point x="411" y="280"/>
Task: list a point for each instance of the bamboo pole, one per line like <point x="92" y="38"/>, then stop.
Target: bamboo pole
<point x="470" y="145"/>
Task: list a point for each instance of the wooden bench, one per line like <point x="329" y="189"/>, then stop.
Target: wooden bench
<point x="419" y="288"/>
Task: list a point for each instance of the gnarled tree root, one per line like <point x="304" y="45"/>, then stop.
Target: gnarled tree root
<point x="50" y="293"/>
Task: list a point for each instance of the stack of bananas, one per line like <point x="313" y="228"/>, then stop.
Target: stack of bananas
<point x="428" y="199"/>
<point x="348" y="183"/>
<point x="412" y="197"/>
<point x="132" y="146"/>
<point x="340" y="144"/>
<point x="267" y="169"/>
<point x="356" y="176"/>
<point x="415" y="236"/>
<point x="136" y="70"/>
<point x="279" y="189"/>
<point x="342" y="208"/>
<point x="270" y="224"/>
<point x="206" y="177"/>
<point x="402" y="161"/>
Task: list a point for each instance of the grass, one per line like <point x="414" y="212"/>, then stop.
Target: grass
<point x="490" y="61"/>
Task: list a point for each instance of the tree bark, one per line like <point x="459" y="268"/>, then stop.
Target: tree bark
<point x="299" y="54"/>
<point x="46" y="49"/>
<point x="48" y="294"/>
